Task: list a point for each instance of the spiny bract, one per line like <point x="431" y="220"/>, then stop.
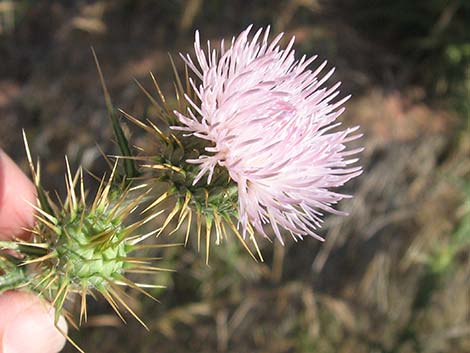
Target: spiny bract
<point x="215" y="206"/>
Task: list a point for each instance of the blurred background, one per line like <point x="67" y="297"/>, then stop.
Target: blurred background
<point x="393" y="277"/>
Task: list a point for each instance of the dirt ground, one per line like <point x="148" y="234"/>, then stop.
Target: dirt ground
<point x="382" y="281"/>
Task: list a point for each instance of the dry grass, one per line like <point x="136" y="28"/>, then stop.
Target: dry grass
<point x="388" y="278"/>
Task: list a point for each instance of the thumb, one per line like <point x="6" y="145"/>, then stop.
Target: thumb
<point x="16" y="191"/>
<point x="27" y="325"/>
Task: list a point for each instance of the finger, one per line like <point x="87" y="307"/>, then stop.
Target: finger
<point x="16" y="190"/>
<point x="27" y="325"/>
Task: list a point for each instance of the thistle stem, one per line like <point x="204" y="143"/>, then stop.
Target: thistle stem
<point x="13" y="278"/>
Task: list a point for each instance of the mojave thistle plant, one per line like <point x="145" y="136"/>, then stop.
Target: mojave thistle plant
<point x="81" y="247"/>
<point x="270" y="124"/>
<point x="250" y="141"/>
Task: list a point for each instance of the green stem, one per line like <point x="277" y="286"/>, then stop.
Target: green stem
<point x="12" y="280"/>
<point x="11" y="245"/>
<point x="12" y="276"/>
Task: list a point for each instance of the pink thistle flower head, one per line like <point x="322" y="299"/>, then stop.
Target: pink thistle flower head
<point x="271" y="124"/>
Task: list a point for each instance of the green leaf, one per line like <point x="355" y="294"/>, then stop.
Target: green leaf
<point x="130" y="168"/>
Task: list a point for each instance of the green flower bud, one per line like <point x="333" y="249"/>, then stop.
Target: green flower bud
<point x="81" y="247"/>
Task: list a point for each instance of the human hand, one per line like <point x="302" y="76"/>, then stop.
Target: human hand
<point x="26" y="322"/>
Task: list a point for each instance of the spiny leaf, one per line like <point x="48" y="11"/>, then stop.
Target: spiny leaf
<point x="130" y="168"/>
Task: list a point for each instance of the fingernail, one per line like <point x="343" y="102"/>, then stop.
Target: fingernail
<point x="33" y="331"/>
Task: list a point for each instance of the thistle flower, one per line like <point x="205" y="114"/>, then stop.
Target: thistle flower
<point x="163" y="161"/>
<point x="81" y="247"/>
<point x="271" y="124"/>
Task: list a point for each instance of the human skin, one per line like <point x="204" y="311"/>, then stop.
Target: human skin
<point x="26" y="322"/>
